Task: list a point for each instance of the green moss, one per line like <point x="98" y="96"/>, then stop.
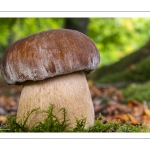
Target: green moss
<point x="99" y="126"/>
<point x="139" y="92"/>
<point x="139" y="74"/>
<point x="123" y="64"/>
<point x="53" y="124"/>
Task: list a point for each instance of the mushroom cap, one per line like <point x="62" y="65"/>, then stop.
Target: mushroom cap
<point x="48" y="54"/>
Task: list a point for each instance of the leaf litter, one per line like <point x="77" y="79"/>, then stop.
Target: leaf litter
<point x="108" y="102"/>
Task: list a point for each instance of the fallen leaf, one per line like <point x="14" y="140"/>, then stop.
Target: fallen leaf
<point x="146" y="121"/>
<point x="147" y="112"/>
<point x="98" y="108"/>
<point x="3" y="119"/>
<point x="123" y="117"/>
<point x="136" y="107"/>
<point x="133" y="120"/>
<point x="95" y="91"/>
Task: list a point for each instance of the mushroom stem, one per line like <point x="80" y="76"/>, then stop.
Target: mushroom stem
<point x="70" y="91"/>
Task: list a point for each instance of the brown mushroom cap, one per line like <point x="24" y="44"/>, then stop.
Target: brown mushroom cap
<point x="48" y="54"/>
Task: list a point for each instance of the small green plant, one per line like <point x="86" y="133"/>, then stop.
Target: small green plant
<point x="101" y="126"/>
<point x="80" y="126"/>
<point x="53" y="124"/>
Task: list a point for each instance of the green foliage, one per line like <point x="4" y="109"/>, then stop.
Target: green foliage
<point x="15" y="126"/>
<point x="27" y="26"/>
<point x="117" y="37"/>
<point x="50" y="124"/>
<point x="139" y="92"/>
<point x="13" y="29"/>
<point x="99" y="126"/>
<point x="80" y="124"/>
<point x="6" y="25"/>
<point x="53" y="124"/>
<point x="114" y="37"/>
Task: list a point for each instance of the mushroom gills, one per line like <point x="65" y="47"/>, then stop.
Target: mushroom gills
<point x="70" y="91"/>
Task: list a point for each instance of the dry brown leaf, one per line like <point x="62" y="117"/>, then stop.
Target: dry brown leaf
<point x="136" y="107"/>
<point x="123" y="117"/>
<point x="3" y="119"/>
<point x="2" y="99"/>
<point x="147" y="112"/>
<point x="119" y="96"/>
<point x="133" y="119"/>
<point x="111" y="90"/>
<point x="124" y="108"/>
<point x="133" y="102"/>
<point x="118" y="118"/>
<point x="146" y="121"/>
<point x="95" y="91"/>
<point x="138" y="111"/>
<point x="110" y="110"/>
<point x="99" y="108"/>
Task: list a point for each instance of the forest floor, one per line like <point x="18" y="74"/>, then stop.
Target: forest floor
<point x="109" y="103"/>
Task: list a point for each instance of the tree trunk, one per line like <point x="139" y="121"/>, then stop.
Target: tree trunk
<point x="79" y="24"/>
<point x="123" y="64"/>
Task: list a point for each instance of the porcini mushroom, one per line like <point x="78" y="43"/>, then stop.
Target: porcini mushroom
<point x="51" y="66"/>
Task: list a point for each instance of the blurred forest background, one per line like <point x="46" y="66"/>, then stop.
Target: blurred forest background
<point x="124" y="46"/>
<point x="114" y="37"/>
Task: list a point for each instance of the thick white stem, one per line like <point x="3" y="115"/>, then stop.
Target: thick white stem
<point x="70" y="91"/>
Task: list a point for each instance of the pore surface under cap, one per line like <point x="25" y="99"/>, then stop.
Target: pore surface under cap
<point x="48" y="54"/>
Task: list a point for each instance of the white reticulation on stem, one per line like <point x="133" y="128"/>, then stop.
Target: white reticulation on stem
<point x="70" y="91"/>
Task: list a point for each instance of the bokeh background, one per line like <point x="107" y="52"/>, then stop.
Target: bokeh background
<point x="122" y="75"/>
<point x="114" y="37"/>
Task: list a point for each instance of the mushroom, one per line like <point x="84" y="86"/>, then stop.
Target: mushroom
<point x="52" y="66"/>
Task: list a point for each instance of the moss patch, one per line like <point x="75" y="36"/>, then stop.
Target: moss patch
<point x="52" y="124"/>
<point x="123" y="64"/>
<point x="139" y="74"/>
<point x="140" y="92"/>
